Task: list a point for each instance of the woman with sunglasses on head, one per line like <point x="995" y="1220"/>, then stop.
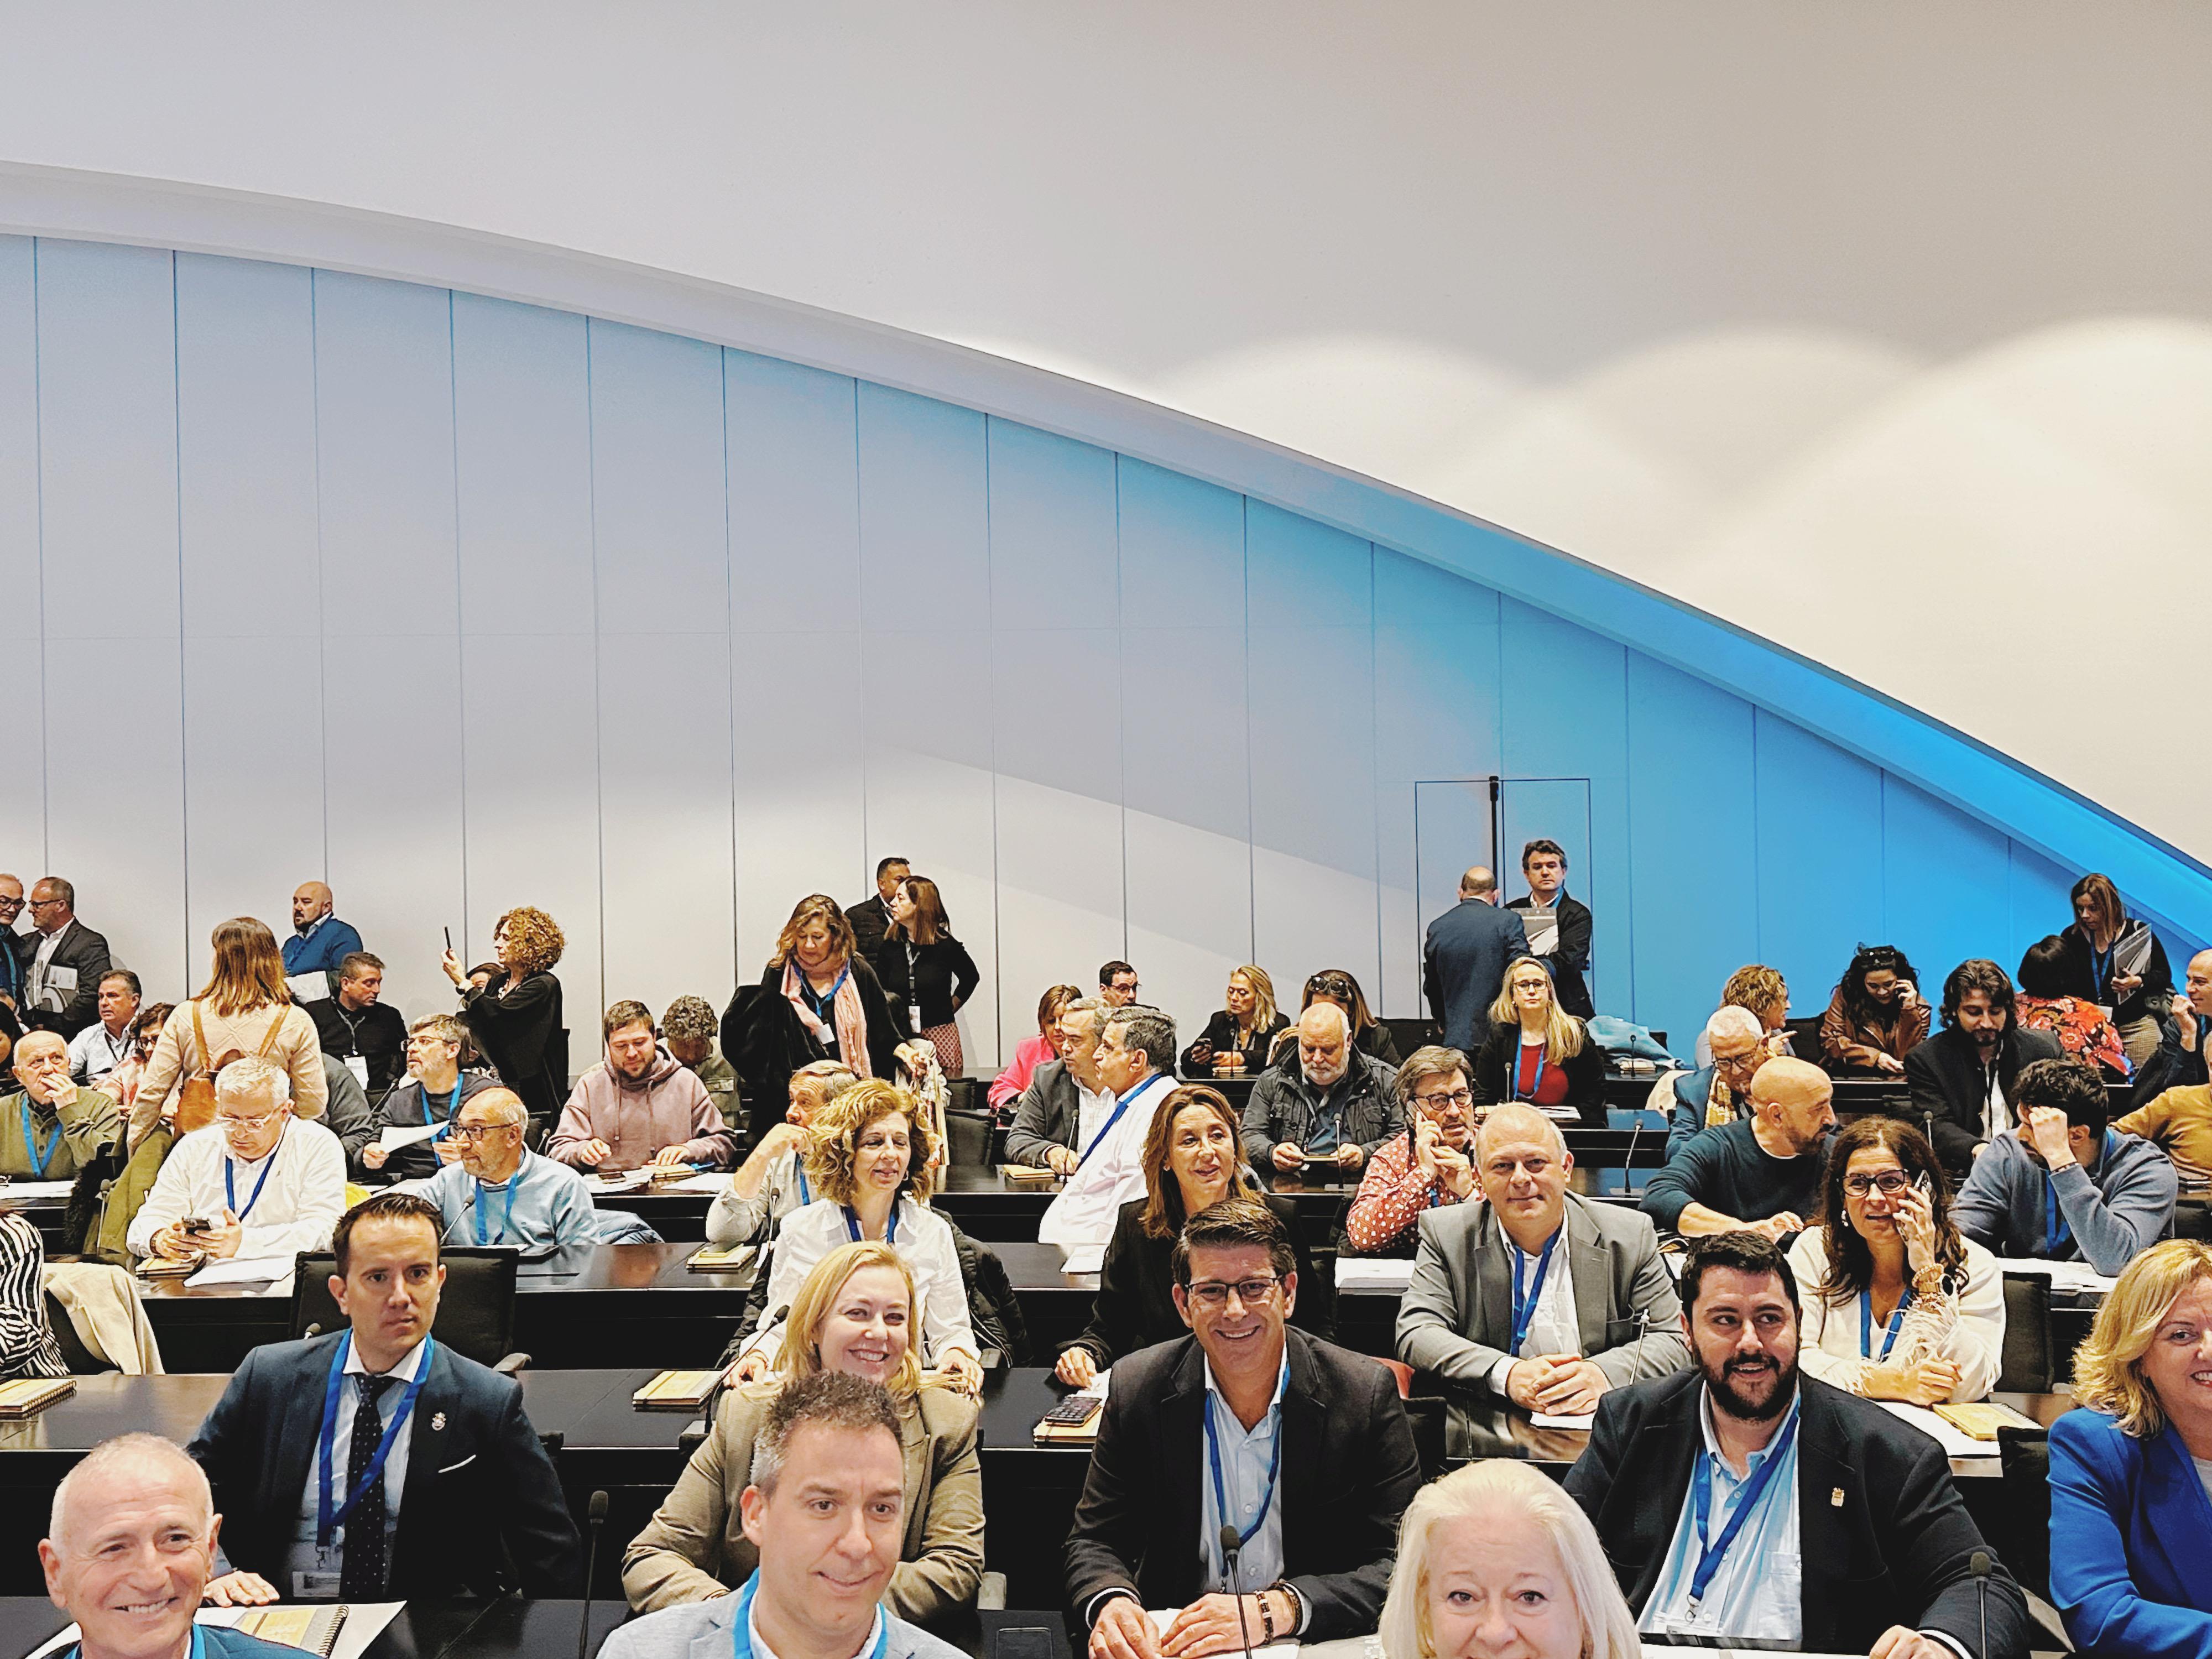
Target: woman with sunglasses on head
<point x="1876" y="1016"/>
<point x="1894" y="1303"/>
<point x="1537" y="1052"/>
<point x="1192" y="1159"/>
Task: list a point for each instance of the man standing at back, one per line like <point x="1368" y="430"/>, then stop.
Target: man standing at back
<point x="424" y="1479"/>
<point x="871" y="917"/>
<point x="1464" y="960"/>
<point x="319" y="941"/>
<point x="63" y="961"/>
<point x="1559" y="927"/>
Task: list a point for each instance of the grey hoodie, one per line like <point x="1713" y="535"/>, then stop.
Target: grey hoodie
<point x="2112" y="1213"/>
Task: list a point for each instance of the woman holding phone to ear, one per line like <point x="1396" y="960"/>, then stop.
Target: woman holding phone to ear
<point x="1895" y="1303"/>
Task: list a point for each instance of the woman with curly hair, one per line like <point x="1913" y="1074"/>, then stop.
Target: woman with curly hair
<point x="855" y="1313"/>
<point x="865" y="1153"/>
<point x="1896" y="1304"/>
<point x="515" y="1015"/>
<point x="819" y="999"/>
<point x="1761" y="991"/>
<point x="1877" y="1015"/>
<point x="2130" y="1534"/>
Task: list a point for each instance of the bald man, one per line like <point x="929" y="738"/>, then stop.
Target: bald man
<point x="1536" y="1296"/>
<point x="53" y="1127"/>
<point x="129" y="1551"/>
<point x="1463" y="960"/>
<point x="1328" y="1105"/>
<point x="2173" y="1102"/>
<point x="319" y="941"/>
<point x="1761" y="1174"/>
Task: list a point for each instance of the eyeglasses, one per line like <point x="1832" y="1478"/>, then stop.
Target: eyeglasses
<point x="45" y="904"/>
<point x="10" y="905"/>
<point x="1212" y="1294"/>
<point x="246" y="1126"/>
<point x="1462" y="1098"/>
<point x="1890" y="1181"/>
<point x="478" y="1131"/>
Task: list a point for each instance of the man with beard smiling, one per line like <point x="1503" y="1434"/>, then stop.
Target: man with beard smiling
<point x="1740" y="1502"/>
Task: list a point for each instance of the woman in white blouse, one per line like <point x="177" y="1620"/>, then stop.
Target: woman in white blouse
<point x="1895" y="1304"/>
<point x="865" y="1150"/>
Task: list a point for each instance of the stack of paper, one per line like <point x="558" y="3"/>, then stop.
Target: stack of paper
<point x="1373" y="1273"/>
<point x="273" y="1271"/>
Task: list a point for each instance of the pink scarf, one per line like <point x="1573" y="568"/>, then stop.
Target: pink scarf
<point x="852" y="1022"/>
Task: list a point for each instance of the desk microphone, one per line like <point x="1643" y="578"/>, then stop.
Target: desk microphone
<point x="597" y="1514"/>
<point x="1229" y="1550"/>
<point x="1628" y="1163"/>
<point x="1978" y="1565"/>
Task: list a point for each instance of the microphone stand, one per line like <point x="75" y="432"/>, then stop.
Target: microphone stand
<point x="597" y="1513"/>
<point x="1229" y="1551"/>
<point x="1628" y="1163"/>
<point x="1978" y="1564"/>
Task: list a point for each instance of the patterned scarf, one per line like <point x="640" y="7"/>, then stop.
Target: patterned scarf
<point x="846" y="1012"/>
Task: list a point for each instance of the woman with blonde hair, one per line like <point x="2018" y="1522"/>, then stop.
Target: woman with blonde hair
<point x="855" y="1313"/>
<point x="515" y="1014"/>
<point x="245" y="1008"/>
<point x="1237" y="1039"/>
<point x="1495" y="1558"/>
<point x="865" y="1151"/>
<point x="1537" y="1052"/>
<point x="2131" y="1469"/>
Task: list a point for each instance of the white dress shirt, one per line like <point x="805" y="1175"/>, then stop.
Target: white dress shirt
<point x="298" y="1209"/>
<point x="41" y="964"/>
<point x="1247" y="1457"/>
<point x="302" y="1557"/>
<point x="1553" y="1329"/>
<point x="1092" y="1108"/>
<point x="1758" y="1592"/>
<point x="921" y="1239"/>
<point x="92" y="1053"/>
<point x="1111" y="1174"/>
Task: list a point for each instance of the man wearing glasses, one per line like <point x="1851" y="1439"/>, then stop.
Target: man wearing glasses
<point x="54" y="1127"/>
<point x="1298" y="1450"/>
<point x="1536" y="1297"/>
<point x="499" y="1192"/>
<point x="61" y="963"/>
<point x="257" y="1183"/>
<point x="11" y="942"/>
<point x="1428" y="1167"/>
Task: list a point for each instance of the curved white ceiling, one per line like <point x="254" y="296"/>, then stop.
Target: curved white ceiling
<point x="1884" y="332"/>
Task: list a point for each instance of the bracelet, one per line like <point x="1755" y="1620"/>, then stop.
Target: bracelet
<point x="1297" y="1608"/>
<point x="1267" y="1619"/>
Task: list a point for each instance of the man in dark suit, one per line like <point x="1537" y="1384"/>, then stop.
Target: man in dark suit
<point x="1966" y="1076"/>
<point x="11" y="942"/>
<point x="465" y="1499"/>
<point x="1559" y="927"/>
<point x="61" y="963"/>
<point x="1048" y="1118"/>
<point x="871" y="917"/>
<point x="1313" y="1454"/>
<point x="1742" y="1503"/>
<point x="1463" y="960"/>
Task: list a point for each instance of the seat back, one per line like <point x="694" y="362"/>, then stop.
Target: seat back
<point x="476" y="1310"/>
<point x="2028" y="1361"/>
<point x="2024" y="1461"/>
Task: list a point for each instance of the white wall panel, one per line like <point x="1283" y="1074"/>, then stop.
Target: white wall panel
<point x="247" y="525"/>
<point x="1312" y="703"/>
<point x="795" y="624"/>
<point x="23" y="801"/>
<point x="925" y="534"/>
<point x="529" y="726"/>
<point x="107" y="496"/>
<point x="667" y="875"/>
<point x="394" y="790"/>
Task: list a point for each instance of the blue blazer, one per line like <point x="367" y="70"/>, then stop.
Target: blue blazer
<point x="2130" y="1541"/>
<point x="1462" y="964"/>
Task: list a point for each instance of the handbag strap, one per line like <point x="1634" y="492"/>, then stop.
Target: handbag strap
<point x="274" y="1026"/>
<point x="200" y="1039"/>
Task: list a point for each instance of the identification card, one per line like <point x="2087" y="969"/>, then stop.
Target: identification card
<point x="315" y="1586"/>
<point x="359" y="1067"/>
<point x="914" y="1016"/>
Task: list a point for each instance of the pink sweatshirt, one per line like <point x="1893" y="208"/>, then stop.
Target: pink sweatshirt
<point x="1029" y="1054"/>
<point x="668" y="1107"/>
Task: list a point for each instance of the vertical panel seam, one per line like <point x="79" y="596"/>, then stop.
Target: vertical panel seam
<point x="1758" y="873"/>
<point x="38" y="491"/>
<point x="1251" y="856"/>
<point x="730" y="649"/>
<point x="1374" y="772"/>
<point x="860" y="618"/>
<point x="598" y="715"/>
<point x="322" y="618"/>
<point x="991" y="714"/>
<point x="1121" y="705"/>
<point x="184" y="709"/>
<point x="460" y="612"/>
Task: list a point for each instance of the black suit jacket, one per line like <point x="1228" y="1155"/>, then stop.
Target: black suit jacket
<point x="1885" y="1539"/>
<point x="480" y="1513"/>
<point x="872" y="920"/>
<point x="1348" y="1472"/>
<point x="1500" y="1052"/>
<point x="81" y="949"/>
<point x="1570" y="957"/>
<point x="1462" y="964"/>
<point x="1944" y="1079"/>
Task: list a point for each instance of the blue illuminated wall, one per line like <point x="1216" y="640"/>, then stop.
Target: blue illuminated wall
<point x="464" y="604"/>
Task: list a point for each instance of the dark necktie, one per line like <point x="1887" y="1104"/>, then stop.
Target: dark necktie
<point x="361" y="1578"/>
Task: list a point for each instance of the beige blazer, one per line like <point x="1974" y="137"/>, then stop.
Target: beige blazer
<point x="694" y="1547"/>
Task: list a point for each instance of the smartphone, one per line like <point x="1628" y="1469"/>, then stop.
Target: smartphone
<point x="1073" y="1412"/>
<point x="194" y="1224"/>
<point x="1922" y="1185"/>
<point x="449" y="941"/>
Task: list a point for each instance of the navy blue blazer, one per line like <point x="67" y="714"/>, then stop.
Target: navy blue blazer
<point x="2131" y="1541"/>
<point x="1462" y="964"/>
<point x="480" y="1513"/>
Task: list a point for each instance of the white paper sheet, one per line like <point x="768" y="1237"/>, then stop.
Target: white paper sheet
<point x="2063" y="1275"/>
<point x="1954" y="1443"/>
<point x="393" y="1136"/>
<point x="309" y="987"/>
<point x="23" y="1191"/>
<point x="365" y="1622"/>
<point x="1084" y="1258"/>
<point x="1373" y="1273"/>
<point x="1555" y="1420"/>
<point x="244" y="1270"/>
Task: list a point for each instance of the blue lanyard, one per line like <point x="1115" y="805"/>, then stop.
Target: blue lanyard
<point x="1540" y="1052"/>
<point x="230" y="1179"/>
<point x="853" y="1223"/>
<point x="805" y="1192"/>
<point x="2100" y="966"/>
<point x="2056" y="1233"/>
<point x="1524" y="1303"/>
<point x="1866" y="1325"/>
<point x="1244" y="1534"/>
<point x="327" y="1521"/>
<point x="825" y="1006"/>
<point x="1709" y="1556"/>
<point x="741" y="1627"/>
<point x="514" y="1185"/>
<point x="1120" y="1107"/>
<point x="39" y="1159"/>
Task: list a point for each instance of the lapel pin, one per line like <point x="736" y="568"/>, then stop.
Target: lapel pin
<point x="438" y="1424"/>
<point x="1836" y="1498"/>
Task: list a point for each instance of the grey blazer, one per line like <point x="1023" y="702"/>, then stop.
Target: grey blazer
<point x="1045" y="1115"/>
<point x="1457" y="1315"/>
<point x="701" y="1630"/>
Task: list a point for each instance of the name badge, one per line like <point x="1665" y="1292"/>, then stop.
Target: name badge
<point x="315" y="1586"/>
<point x="359" y="1067"/>
<point x="914" y="1016"/>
